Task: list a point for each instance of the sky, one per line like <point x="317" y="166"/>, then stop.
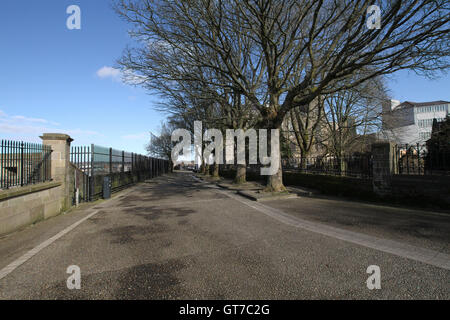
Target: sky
<point x="53" y="79"/>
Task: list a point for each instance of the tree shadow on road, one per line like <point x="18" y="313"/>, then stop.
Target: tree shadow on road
<point x="129" y="234"/>
<point x="154" y="212"/>
<point x="150" y="281"/>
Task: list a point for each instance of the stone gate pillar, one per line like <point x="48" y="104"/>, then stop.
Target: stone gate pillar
<point x="383" y="167"/>
<point x="60" y="161"/>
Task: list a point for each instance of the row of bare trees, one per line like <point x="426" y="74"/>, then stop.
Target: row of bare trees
<point x="250" y="63"/>
<point x="336" y="124"/>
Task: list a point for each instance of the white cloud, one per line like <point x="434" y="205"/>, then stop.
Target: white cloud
<point x="24" y="119"/>
<point x="127" y="76"/>
<point x="109" y="72"/>
<point x="132" y="78"/>
<point x="11" y="128"/>
<point x="76" y="132"/>
<point x="19" y="125"/>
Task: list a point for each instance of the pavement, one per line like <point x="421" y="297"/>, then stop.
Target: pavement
<point x="176" y="237"/>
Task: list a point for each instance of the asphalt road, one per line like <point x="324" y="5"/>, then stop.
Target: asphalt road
<point x="177" y="238"/>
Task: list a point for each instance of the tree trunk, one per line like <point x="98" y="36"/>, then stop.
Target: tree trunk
<point x="342" y="166"/>
<point x="216" y="170"/>
<point x="275" y="182"/>
<point x="302" y="163"/>
<point x="241" y="172"/>
<point x="206" y="173"/>
<point x="303" y="160"/>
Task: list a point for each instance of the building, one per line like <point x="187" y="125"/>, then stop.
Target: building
<point x="411" y="122"/>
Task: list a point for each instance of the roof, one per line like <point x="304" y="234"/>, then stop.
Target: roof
<point x="411" y="104"/>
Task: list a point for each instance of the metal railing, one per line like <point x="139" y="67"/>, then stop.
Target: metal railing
<point x="358" y="166"/>
<point x="23" y="163"/>
<point x="124" y="168"/>
<point x="98" y="160"/>
<point x="416" y="159"/>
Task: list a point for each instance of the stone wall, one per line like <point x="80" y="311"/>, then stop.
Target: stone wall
<point x="431" y="188"/>
<point x="22" y="206"/>
<point x="326" y="184"/>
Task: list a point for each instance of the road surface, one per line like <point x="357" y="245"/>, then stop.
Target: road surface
<point x="178" y="238"/>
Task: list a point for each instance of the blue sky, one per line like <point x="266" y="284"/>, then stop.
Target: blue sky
<point x="53" y="79"/>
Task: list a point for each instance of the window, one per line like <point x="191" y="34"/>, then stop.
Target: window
<point x="424" y="135"/>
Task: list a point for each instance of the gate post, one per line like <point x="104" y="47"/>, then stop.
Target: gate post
<point x="153" y="168"/>
<point x="384" y="166"/>
<point x="110" y="161"/>
<point x="60" y="162"/>
<point x="91" y="176"/>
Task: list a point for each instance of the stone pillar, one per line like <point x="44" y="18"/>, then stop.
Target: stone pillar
<point x="383" y="167"/>
<point x="60" y="163"/>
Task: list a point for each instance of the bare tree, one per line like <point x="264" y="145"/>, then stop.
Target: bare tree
<point x="161" y="145"/>
<point x="352" y="114"/>
<point x="305" y="128"/>
<point x="295" y="50"/>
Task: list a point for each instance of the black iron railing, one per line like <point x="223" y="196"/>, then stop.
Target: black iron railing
<point x="23" y="163"/>
<point x="358" y="166"/>
<point x="417" y="159"/>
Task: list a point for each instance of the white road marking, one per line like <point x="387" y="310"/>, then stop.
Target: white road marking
<point x="13" y="265"/>
<point x="428" y="256"/>
<point x="24" y="258"/>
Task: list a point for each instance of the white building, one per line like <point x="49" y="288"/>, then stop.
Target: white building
<point x="411" y="122"/>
